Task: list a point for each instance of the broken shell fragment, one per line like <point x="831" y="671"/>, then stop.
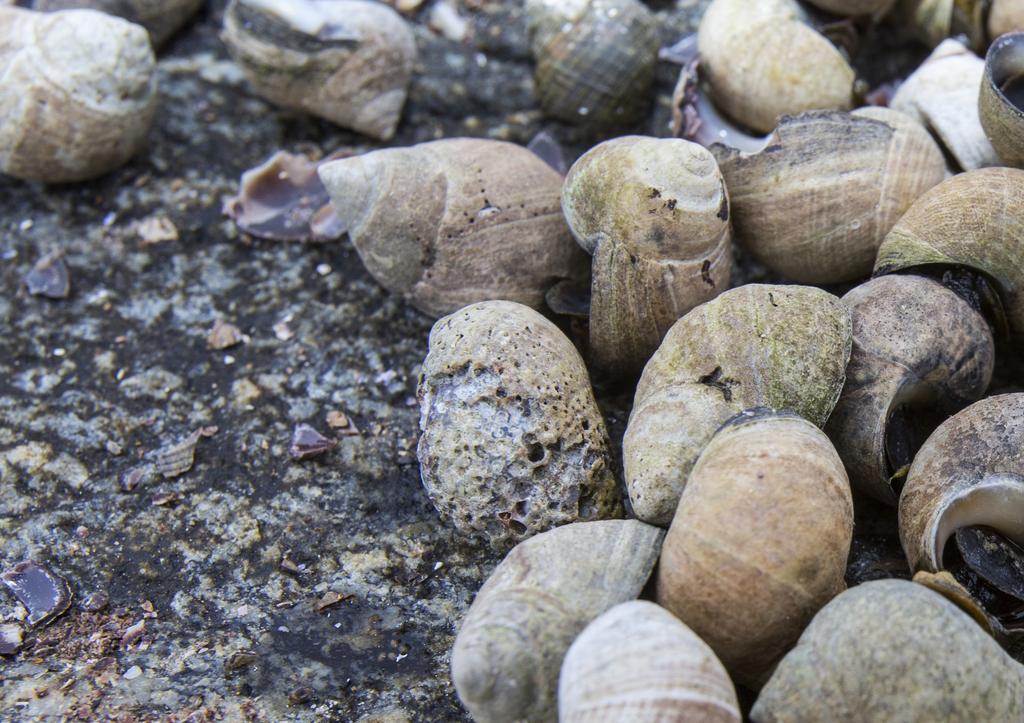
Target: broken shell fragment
<point x="759" y="541"/>
<point x="349" y="61"/>
<point x="43" y="593"/>
<point x="457" y="221"/>
<point x="784" y="347"/>
<point x="512" y="441"/>
<point x="1001" y="103"/>
<point x="160" y="17"/>
<point x="815" y="204"/>
<point x="78" y="94"/>
<point x="595" y="59"/>
<point x="508" y="653"/>
<point x="49" y="277"/>
<point x="638" y="663"/>
<point x="891" y="649"/>
<point x="920" y="354"/>
<point x="654" y="213"/>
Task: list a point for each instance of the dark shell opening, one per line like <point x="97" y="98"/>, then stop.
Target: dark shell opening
<point x="911" y="421"/>
<point x="991" y="567"/>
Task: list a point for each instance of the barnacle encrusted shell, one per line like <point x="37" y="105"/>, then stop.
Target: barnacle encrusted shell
<point x="349" y="61"/>
<point x="77" y="93"/>
<point x="508" y="653"/>
<point x="893" y="650"/>
<point x="654" y="213"/>
<point x="784" y="347"/>
<point x="763" y="61"/>
<point x="973" y="220"/>
<point x="815" y="204"/>
<point x="160" y="17"/>
<point x="595" y="58"/>
<point x="638" y="663"/>
<point x="1001" y="103"/>
<point x="759" y="541"/>
<point x="452" y="222"/>
<point x="969" y="472"/>
<point x="512" y="441"/>
<point x="920" y="353"/>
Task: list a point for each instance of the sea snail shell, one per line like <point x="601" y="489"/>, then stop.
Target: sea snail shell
<point x="784" y="347"/>
<point x="77" y="93"/>
<point x="160" y="17"/>
<point x="512" y="441"/>
<point x="452" y="222"/>
<point x="1001" y="103"/>
<point x="763" y="61"/>
<point x="638" y="663"/>
<point x="1005" y="16"/>
<point x="759" y="541"/>
<point x="349" y="61"/>
<point x="654" y="213"/>
<point x="920" y="353"/>
<point x="508" y="653"/>
<point x="815" y="204"/>
<point x="893" y="650"/>
<point x="595" y="59"/>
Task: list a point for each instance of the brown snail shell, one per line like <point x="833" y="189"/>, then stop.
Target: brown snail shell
<point x="920" y="353"/>
<point x="763" y="61"/>
<point x="815" y="204"/>
<point x="638" y="663"/>
<point x="595" y="58"/>
<point x="759" y="541"/>
<point x="452" y="222"/>
<point x="974" y="220"/>
<point x="508" y="653"/>
<point x="1001" y="102"/>
<point x="932" y="21"/>
<point x="853" y="7"/>
<point x="893" y="650"/>
<point x="512" y="441"/>
<point x="654" y="213"/>
<point x="759" y="345"/>
<point x="942" y="95"/>
<point x="1005" y="16"/>
<point x="349" y="61"/>
<point x="161" y="18"/>
<point x="78" y="94"/>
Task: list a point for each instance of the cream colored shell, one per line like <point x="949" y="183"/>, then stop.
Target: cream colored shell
<point x="1005" y="16"/>
<point x="638" y="663"/>
<point x="77" y="93"/>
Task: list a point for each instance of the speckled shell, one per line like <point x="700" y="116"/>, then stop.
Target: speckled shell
<point x="815" y="204"/>
<point x="1002" y="119"/>
<point x="160" y="17"/>
<point x="915" y="343"/>
<point x="942" y="95"/>
<point x="512" y="441"/>
<point x="349" y="61"/>
<point x="638" y="663"/>
<point x="784" y="347"/>
<point x="976" y="220"/>
<point x="655" y="215"/>
<point x="508" y="653"/>
<point x="77" y="93"/>
<point x="1005" y="16"/>
<point x="759" y="541"/>
<point x="595" y="59"/>
<point x="969" y="472"/>
<point x="891" y="650"/>
<point x="763" y="61"/>
<point x="452" y="222"/>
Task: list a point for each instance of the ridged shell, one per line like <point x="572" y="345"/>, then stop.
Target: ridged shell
<point x="969" y="472"/>
<point x="919" y="352"/>
<point x="638" y="663"/>
<point x="784" y="347"/>
<point x="512" y="441"/>
<point x="759" y="541"/>
<point x="349" y="61"/>
<point x="892" y="650"/>
<point x="655" y="215"/>
<point x="815" y="204"/>
<point x="160" y="17"/>
<point x="77" y="93"/>
<point x="1002" y="109"/>
<point x="595" y="59"/>
<point x="509" y="651"/>
<point x="457" y="221"/>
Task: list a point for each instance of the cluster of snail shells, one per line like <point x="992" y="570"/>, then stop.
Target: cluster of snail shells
<point x="77" y="93"/>
<point x="160" y="17"/>
<point x="349" y="61"/>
